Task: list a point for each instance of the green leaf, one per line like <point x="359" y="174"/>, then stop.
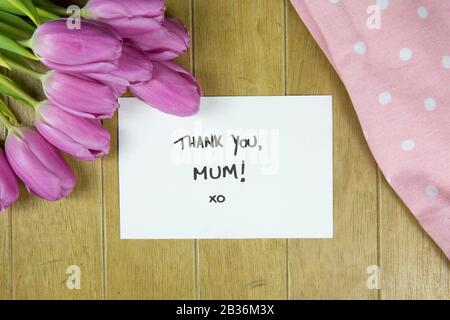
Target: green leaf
<point x="8" y="7"/>
<point x="15" y="62"/>
<point x="27" y="7"/>
<point x="8" y="113"/>
<point x="51" y="7"/>
<point x="12" y="32"/>
<point x="3" y="63"/>
<point x="9" y="56"/>
<point x="13" y="46"/>
<point x="45" y="4"/>
<point x="46" y="15"/>
<point x="14" y="26"/>
<point x="17" y="22"/>
<point x="10" y="89"/>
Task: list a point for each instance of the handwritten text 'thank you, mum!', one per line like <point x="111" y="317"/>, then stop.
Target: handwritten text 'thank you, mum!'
<point x="215" y="141"/>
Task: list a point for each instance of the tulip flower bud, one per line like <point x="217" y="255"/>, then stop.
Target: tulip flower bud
<point x="38" y="164"/>
<point x="9" y="188"/>
<point x="93" y="47"/>
<point x="165" y="43"/>
<point x="118" y="85"/>
<point x="82" y="138"/>
<point x="134" y="68"/>
<point x="172" y="90"/>
<point x="127" y="17"/>
<point x="80" y="95"/>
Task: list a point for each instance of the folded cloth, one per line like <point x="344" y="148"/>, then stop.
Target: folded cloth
<point x="394" y="59"/>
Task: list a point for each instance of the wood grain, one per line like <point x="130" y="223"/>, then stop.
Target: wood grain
<point x="5" y="240"/>
<point x="334" y="269"/>
<point x="49" y="237"/>
<point x="5" y="256"/>
<point x="144" y="269"/>
<point x="239" y="50"/>
<point x="413" y="266"/>
<point x="239" y="47"/>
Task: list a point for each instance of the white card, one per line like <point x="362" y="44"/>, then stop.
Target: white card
<point x="244" y="167"/>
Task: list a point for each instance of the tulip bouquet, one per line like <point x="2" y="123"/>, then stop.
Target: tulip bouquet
<point x="116" y="45"/>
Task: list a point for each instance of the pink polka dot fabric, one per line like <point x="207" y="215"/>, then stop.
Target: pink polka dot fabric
<point x="394" y="58"/>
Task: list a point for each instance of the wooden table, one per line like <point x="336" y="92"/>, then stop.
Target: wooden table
<point x="239" y="47"/>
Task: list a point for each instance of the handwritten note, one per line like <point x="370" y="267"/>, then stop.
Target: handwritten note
<point x="244" y="167"/>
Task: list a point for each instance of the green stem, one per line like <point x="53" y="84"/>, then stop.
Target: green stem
<point x="28" y="71"/>
<point x="28" y="8"/>
<point x="86" y="14"/>
<point x="26" y="43"/>
<point x="49" y="6"/>
<point x="44" y="13"/>
<point x="6" y="122"/>
<point x="14" y="91"/>
<point x="15" y="27"/>
<point x="59" y="11"/>
<point x="15" y="47"/>
<point x="13" y="32"/>
<point x="47" y="15"/>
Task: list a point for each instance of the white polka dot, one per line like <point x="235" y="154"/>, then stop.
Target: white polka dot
<point x="383" y="4"/>
<point x="334" y="1"/>
<point x="388" y="180"/>
<point x="422" y="12"/>
<point x="406" y="54"/>
<point x="446" y="62"/>
<point x="385" y="98"/>
<point x="430" y="104"/>
<point x="432" y="191"/>
<point x="360" y="48"/>
<point x="408" y="145"/>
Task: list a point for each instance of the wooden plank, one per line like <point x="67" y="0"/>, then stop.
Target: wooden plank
<point x="334" y="269"/>
<point x="70" y="234"/>
<point x="5" y="256"/>
<point x="413" y="266"/>
<point x="144" y="269"/>
<point x="239" y="50"/>
<point x="5" y="240"/>
<point x="48" y="238"/>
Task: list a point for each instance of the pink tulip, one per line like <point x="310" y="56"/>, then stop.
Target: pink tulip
<point x="80" y="95"/>
<point x="38" y="164"/>
<point x="165" y="43"/>
<point x="92" y="48"/>
<point x="134" y="68"/>
<point x="127" y="17"/>
<point x="172" y="90"/>
<point x="9" y="188"/>
<point x="118" y="85"/>
<point x="82" y="138"/>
